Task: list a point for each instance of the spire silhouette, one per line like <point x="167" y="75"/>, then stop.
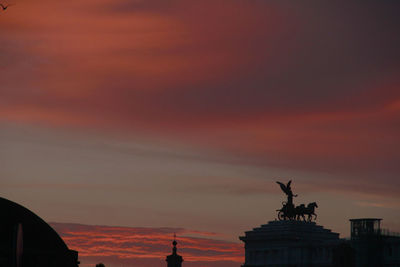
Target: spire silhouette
<point x="174" y="243"/>
<point x="174" y="260"/>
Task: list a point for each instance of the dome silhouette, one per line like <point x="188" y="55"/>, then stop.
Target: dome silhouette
<point x="27" y="240"/>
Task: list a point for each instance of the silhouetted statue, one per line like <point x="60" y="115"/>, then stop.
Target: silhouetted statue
<point x="290" y="212"/>
<point x="288" y="191"/>
<point x="100" y="265"/>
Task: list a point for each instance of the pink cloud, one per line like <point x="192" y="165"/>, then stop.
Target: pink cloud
<point x="272" y="84"/>
<point x="146" y="246"/>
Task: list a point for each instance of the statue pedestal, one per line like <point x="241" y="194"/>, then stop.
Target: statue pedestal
<point x="289" y="243"/>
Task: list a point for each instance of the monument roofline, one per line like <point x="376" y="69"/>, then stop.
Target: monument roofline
<point x="365" y="219"/>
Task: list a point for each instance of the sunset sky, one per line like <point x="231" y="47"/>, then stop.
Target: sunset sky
<point x="122" y="118"/>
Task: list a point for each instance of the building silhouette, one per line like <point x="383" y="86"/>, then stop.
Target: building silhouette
<point x="297" y="241"/>
<point x="174" y="260"/>
<point x="289" y="243"/>
<point x="292" y="243"/>
<point x="28" y="241"/>
<point x="372" y="245"/>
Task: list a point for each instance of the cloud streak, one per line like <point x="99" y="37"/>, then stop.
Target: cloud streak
<point x="147" y="246"/>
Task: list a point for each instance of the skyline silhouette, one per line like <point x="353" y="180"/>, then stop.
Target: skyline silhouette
<point x="291" y="241"/>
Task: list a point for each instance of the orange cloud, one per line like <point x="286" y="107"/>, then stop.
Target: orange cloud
<point x="136" y="245"/>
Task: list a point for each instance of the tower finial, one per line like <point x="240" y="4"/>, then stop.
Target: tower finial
<point x="174" y="243"/>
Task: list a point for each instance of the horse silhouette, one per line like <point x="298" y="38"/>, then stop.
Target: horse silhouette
<point x="302" y="210"/>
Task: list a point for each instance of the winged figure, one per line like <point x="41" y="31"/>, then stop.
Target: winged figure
<point x="286" y="188"/>
<point x="288" y="191"/>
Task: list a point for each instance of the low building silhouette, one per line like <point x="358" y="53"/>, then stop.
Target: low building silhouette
<point x="28" y="241"/>
<point x="374" y="246"/>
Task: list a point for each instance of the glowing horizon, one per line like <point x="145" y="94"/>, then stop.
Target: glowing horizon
<point x="127" y="245"/>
